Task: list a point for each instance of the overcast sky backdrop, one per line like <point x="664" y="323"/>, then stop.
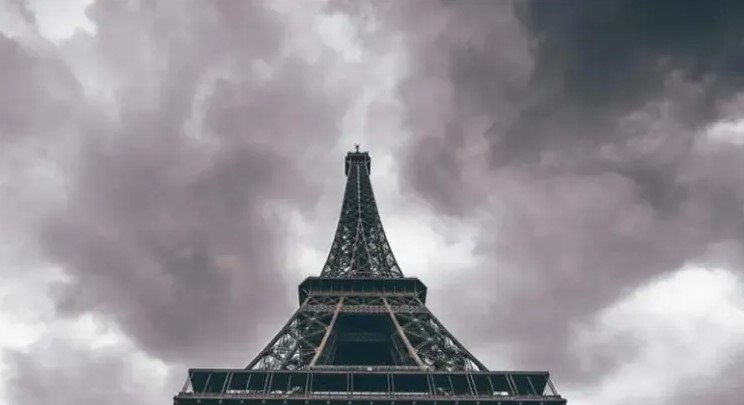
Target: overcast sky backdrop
<point x="567" y="177"/>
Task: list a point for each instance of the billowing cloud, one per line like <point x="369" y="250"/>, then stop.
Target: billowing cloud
<point x="567" y="153"/>
<point x="86" y="362"/>
<point x="578" y="139"/>
<point x="184" y="161"/>
<point x="665" y="323"/>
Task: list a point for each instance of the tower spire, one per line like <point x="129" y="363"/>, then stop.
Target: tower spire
<point x="360" y="248"/>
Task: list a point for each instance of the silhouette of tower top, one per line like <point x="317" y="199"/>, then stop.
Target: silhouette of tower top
<point x="360" y="248"/>
<point x="362" y="335"/>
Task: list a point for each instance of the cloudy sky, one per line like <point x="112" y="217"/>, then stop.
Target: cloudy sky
<point x="566" y="176"/>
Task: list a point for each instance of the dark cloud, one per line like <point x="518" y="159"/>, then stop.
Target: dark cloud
<point x="569" y="133"/>
<point x="554" y="80"/>
<point x="573" y="135"/>
<point x="615" y="55"/>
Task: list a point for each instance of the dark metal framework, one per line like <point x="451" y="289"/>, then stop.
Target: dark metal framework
<point x="362" y="332"/>
<point x="360" y="248"/>
<point x="389" y="314"/>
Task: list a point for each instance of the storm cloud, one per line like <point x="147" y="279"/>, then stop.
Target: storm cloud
<point x="160" y="163"/>
<point x="182" y="121"/>
<point x="173" y="223"/>
<point x="580" y="137"/>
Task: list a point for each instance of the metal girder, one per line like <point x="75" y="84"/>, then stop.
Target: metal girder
<point x="329" y="330"/>
<point x="434" y="344"/>
<point x="403" y="337"/>
<point x="285" y="351"/>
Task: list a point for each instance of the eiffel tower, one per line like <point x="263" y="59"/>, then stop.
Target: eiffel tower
<point x="363" y="335"/>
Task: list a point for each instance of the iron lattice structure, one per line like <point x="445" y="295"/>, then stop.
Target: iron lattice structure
<point x="360" y="248"/>
<point x="362" y="332"/>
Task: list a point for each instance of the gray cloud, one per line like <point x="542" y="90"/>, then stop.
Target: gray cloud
<point x="177" y="235"/>
<point x="34" y="86"/>
<point x="173" y="222"/>
<point x="718" y="389"/>
<point x="576" y="149"/>
<point x="614" y="55"/>
<point x="572" y="135"/>
<point x="80" y="375"/>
